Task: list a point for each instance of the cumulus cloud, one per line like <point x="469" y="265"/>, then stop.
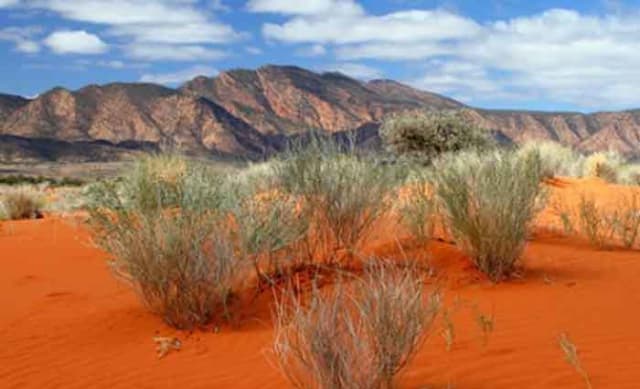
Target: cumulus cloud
<point x="182" y="53"/>
<point x="356" y="70"/>
<point x="8" y="3"/>
<point x="397" y="27"/>
<point x="166" y="23"/>
<point x="312" y="51"/>
<point x="307" y="7"/>
<point x="75" y="42"/>
<point x="23" y="38"/>
<point x="253" y="50"/>
<point x="559" y="55"/>
<point x="179" y="76"/>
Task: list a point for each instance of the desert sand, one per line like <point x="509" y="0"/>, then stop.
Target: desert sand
<point x="66" y="322"/>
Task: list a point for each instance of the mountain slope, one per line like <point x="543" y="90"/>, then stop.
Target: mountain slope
<point x="142" y="113"/>
<point x="289" y="100"/>
<point x="249" y="113"/>
<point x="9" y="104"/>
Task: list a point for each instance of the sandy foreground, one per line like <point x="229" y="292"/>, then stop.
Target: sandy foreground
<point x="65" y="322"/>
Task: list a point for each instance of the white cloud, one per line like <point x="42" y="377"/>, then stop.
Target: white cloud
<point x="312" y="51"/>
<point x="117" y="64"/>
<point x="356" y="70"/>
<point x="180" y="76"/>
<point x="75" y="42"/>
<point x="306" y="7"/>
<point x="559" y="55"/>
<point x="397" y="27"/>
<point x="184" y="53"/>
<point x="218" y="5"/>
<point x="22" y="37"/>
<point x="142" y="22"/>
<point x="253" y="50"/>
<point x="8" y="3"/>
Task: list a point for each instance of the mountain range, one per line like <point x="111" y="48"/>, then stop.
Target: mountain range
<point x="250" y="113"/>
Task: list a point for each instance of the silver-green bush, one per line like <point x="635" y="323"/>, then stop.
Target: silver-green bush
<point x="341" y="193"/>
<point x="489" y="202"/>
<point x="425" y="135"/>
<point x="359" y="334"/>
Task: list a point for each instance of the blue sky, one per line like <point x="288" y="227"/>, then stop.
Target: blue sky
<point x="548" y="55"/>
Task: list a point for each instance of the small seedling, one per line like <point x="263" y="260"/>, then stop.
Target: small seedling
<point x="486" y="324"/>
<point x="164" y="345"/>
<point x="448" y="332"/>
<point x="571" y="356"/>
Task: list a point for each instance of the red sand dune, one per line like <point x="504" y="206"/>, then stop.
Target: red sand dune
<point x="65" y="322"/>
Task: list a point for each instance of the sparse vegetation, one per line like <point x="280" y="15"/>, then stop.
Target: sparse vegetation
<point x="13" y="180"/>
<point x="571" y="356"/>
<point x="556" y="159"/>
<point x="423" y="136"/>
<point x="185" y="236"/>
<point x="605" y="165"/>
<point x="21" y="203"/>
<point x="341" y="193"/>
<point x="359" y="334"/>
<point x="417" y="207"/>
<point x="489" y="202"/>
<point x="596" y="225"/>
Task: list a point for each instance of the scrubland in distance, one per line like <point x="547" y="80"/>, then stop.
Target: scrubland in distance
<point x="488" y="203"/>
<point x="358" y="334"/>
<point x="559" y="160"/>
<point x="422" y="136"/>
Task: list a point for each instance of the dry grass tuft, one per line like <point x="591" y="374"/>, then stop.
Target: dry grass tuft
<point x="358" y="334"/>
<point x="571" y="356"/>
<point x="341" y="194"/>
<point x="489" y="202"/>
<point x="21" y="203"/>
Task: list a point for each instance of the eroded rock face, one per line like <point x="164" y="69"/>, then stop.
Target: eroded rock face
<point x="247" y="113"/>
<point x="290" y="100"/>
<point x="595" y="132"/>
<point x="9" y="104"/>
<point x="143" y="113"/>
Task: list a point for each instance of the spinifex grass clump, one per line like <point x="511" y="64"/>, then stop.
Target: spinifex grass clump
<point x="167" y="235"/>
<point x="556" y="159"/>
<point x="185" y="236"/>
<point x="359" y="334"/>
<point x="342" y="194"/>
<point x="616" y="223"/>
<point x="21" y="203"/>
<point x="417" y="206"/>
<point x="268" y="225"/>
<point x="489" y="202"/>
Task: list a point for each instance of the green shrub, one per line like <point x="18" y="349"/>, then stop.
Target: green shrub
<point x="21" y="204"/>
<point x="268" y="228"/>
<point x="556" y="159"/>
<point x="341" y="193"/>
<point x="602" y="225"/>
<point x="186" y="238"/>
<point x="425" y="135"/>
<point x="488" y="202"/>
<point x="169" y="237"/>
<point x="356" y="335"/>
<point x="630" y="175"/>
<point x="604" y="165"/>
<point x="418" y="206"/>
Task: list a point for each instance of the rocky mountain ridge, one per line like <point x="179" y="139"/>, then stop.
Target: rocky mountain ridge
<point x="248" y="114"/>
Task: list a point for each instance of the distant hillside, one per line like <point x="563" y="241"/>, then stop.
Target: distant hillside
<point x="248" y="114"/>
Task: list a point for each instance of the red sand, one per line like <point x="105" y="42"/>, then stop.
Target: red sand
<point x="66" y="322"/>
